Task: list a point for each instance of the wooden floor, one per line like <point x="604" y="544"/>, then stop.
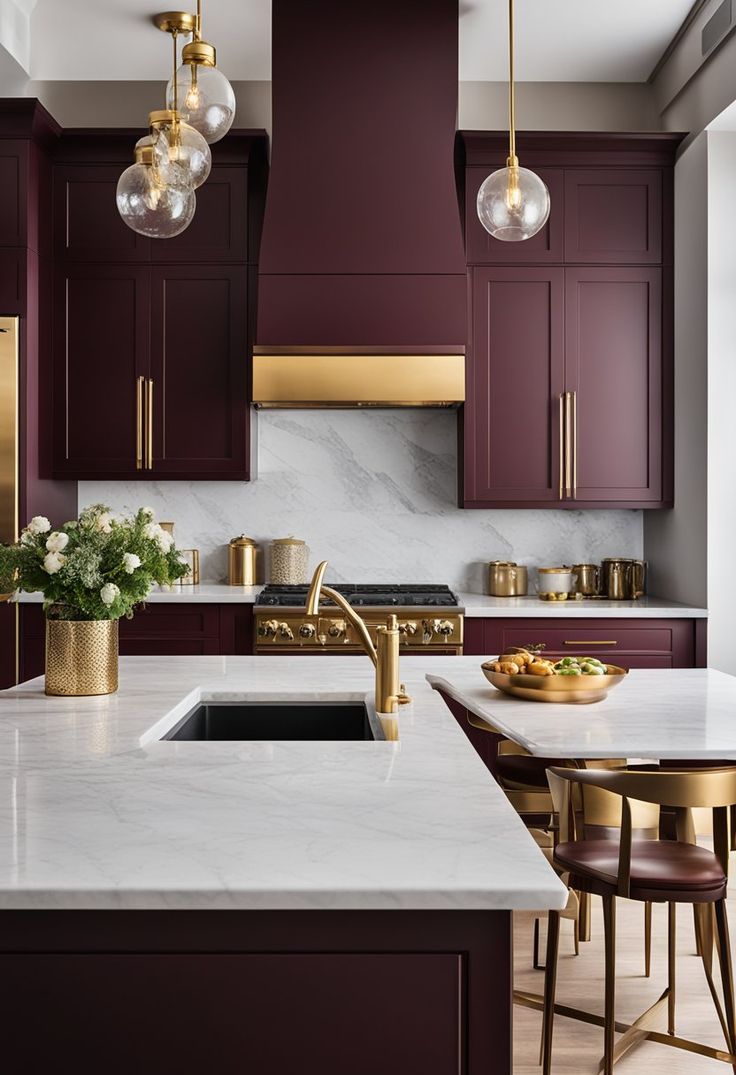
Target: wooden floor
<point x="578" y="1046"/>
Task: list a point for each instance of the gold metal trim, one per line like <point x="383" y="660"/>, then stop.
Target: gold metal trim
<point x="199" y="52"/>
<point x="9" y="429"/>
<point x="162" y="116"/>
<point x="562" y="444"/>
<point x="590" y="642"/>
<point x="139" y="383"/>
<point x="568" y="447"/>
<point x="149" y="424"/>
<point x="574" y="438"/>
<point x="351" y="380"/>
<point x="180" y="22"/>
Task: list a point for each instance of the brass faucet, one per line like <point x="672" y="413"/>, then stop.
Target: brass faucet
<point x="390" y="693"/>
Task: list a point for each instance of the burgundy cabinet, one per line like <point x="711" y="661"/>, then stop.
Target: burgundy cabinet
<point x="87" y="224"/>
<point x="13" y="185"/>
<point x="543" y="248"/>
<point x="12" y="281"/>
<point x="219" y="231"/>
<point x="613" y="364"/>
<point x="199" y="344"/>
<point x="515" y="376"/>
<point x="631" y="643"/>
<point x="101" y="344"/>
<point x="613" y="215"/>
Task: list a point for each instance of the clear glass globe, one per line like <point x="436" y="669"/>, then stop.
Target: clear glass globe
<point x="152" y="207"/>
<point x="513" y="204"/>
<point x="205" y="100"/>
<point x="180" y="148"/>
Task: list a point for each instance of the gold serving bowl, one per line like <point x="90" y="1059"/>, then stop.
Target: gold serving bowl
<point x="576" y="690"/>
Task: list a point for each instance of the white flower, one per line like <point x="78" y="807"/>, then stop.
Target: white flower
<point x="108" y="593"/>
<point x="149" y="512"/>
<point x="156" y="533"/>
<point x="131" y="561"/>
<point x="26" y="538"/>
<point x="57" y="541"/>
<point x="39" y="524"/>
<point x="103" y="522"/>
<point x="53" y="562"/>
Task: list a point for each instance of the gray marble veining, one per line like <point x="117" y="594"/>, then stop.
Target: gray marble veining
<point x="375" y="493"/>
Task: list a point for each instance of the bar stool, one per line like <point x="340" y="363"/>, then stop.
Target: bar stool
<point x="660" y="871"/>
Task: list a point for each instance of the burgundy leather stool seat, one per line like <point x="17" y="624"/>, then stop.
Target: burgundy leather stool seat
<point x="661" y="870"/>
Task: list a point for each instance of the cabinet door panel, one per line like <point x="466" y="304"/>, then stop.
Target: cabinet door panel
<point x="544" y="247"/>
<point x="13" y="183"/>
<point x="100" y="346"/>
<point x="199" y="367"/>
<point x="515" y="379"/>
<point x="12" y="281"/>
<point x="219" y="231"/>
<point x="613" y="329"/>
<point x="613" y="215"/>
<point x="87" y="224"/>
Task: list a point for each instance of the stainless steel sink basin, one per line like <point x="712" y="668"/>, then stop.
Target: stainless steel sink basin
<point x="286" y="721"/>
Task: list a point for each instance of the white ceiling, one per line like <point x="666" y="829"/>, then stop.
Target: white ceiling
<point x="557" y="40"/>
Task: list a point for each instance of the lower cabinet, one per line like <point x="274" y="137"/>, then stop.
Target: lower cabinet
<point x="631" y="643"/>
<point x="156" y="630"/>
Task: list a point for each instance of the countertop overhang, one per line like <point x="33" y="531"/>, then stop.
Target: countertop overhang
<point x="99" y="814"/>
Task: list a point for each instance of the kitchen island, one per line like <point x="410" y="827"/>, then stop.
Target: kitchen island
<point x="265" y="906"/>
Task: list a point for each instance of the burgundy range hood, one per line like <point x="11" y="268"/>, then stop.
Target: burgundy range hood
<point x="362" y="296"/>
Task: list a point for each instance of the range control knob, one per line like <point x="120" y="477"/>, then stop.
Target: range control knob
<point x="445" y="627"/>
<point x="267" y="628"/>
<point x="286" y="632"/>
<point x="336" y="629"/>
<point x="408" y="628"/>
<point x="307" y="630"/>
<point x="436" y="627"/>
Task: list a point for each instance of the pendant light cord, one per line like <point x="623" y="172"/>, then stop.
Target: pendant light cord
<point x="512" y="106"/>
<point x="198" y="29"/>
<point x="175" y="81"/>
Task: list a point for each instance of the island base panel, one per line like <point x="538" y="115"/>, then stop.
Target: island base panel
<point x="267" y="991"/>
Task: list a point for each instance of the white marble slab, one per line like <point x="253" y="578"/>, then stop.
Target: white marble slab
<point x="206" y="593"/>
<point x="481" y="606"/>
<point x="95" y="812"/>
<point x="653" y="714"/>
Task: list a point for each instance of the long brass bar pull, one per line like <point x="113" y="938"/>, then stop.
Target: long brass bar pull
<point x="568" y="448"/>
<point x="149" y="424"/>
<point x="590" y="642"/>
<point x="574" y="445"/>
<point x="140" y="382"/>
<point x="562" y="444"/>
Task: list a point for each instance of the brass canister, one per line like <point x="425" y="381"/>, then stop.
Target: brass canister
<point x="242" y="561"/>
<point x="615" y="575"/>
<point x="587" y="579"/>
<point x="81" y="657"/>
<point x="507" y="579"/>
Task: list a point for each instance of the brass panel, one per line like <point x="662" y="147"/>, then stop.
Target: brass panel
<point x="81" y="657"/>
<point x="8" y="429"/>
<point x="354" y="380"/>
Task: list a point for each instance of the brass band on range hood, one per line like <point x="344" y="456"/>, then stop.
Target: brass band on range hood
<point x="341" y="377"/>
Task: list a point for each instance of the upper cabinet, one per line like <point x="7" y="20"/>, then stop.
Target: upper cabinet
<point x="153" y="335"/>
<point x="569" y="389"/>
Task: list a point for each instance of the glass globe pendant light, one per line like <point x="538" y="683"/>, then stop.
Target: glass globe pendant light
<point x="205" y="97"/>
<point x="151" y="204"/>
<point x="513" y="203"/>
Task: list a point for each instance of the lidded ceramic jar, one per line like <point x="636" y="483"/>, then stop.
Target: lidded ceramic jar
<point x="289" y="561"/>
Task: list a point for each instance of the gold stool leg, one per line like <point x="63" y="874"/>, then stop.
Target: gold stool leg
<point x="724" y="958"/>
<point x="647" y="940"/>
<point x="671" y="962"/>
<point x="609" y="927"/>
<point x="550" y="985"/>
<point x="584" y="916"/>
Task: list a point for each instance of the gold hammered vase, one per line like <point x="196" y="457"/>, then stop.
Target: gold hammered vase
<point x="81" y="657"/>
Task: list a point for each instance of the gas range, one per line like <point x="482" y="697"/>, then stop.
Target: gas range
<point x="428" y="614"/>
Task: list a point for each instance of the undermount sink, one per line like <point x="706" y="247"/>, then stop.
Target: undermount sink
<point x="284" y="721"/>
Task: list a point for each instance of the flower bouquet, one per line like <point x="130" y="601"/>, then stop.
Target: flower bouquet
<point x="91" y="572"/>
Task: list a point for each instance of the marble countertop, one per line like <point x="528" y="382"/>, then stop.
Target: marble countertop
<point x="652" y="714"/>
<point x="478" y="606"/>
<point x="98" y="813"/>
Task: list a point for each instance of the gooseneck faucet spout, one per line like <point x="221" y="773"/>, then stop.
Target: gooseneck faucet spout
<point x="389" y="692"/>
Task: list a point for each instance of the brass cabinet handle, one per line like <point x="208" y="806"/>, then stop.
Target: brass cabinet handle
<point x="590" y="642"/>
<point x="562" y="442"/>
<point x="568" y="452"/>
<point x="140" y="381"/>
<point x="574" y="396"/>
<point x="149" y="425"/>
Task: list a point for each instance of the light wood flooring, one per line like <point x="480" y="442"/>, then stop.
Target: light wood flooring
<point x="578" y="1046"/>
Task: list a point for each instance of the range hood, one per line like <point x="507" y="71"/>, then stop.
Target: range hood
<point x="362" y="281"/>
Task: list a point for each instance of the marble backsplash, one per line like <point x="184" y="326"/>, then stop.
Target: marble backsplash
<point x="373" y="492"/>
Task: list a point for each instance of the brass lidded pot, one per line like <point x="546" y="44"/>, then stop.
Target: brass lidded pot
<point x="507" y="579"/>
<point x="587" y="579"/>
<point x="242" y="561"/>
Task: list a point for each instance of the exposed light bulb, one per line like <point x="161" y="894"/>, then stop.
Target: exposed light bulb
<point x="150" y="205"/>
<point x="513" y="204"/>
<point x="205" y="99"/>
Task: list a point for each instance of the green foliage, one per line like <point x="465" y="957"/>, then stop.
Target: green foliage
<point x="96" y="568"/>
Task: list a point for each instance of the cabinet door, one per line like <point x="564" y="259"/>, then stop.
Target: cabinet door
<point x="199" y="367"/>
<point x="544" y="247"/>
<point x="613" y="330"/>
<point x="515" y="377"/>
<point x="12" y="281"/>
<point x="87" y="224"/>
<point x="219" y="231"/>
<point x="613" y="215"/>
<point x="13" y="192"/>
<point x="100" y="346"/>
